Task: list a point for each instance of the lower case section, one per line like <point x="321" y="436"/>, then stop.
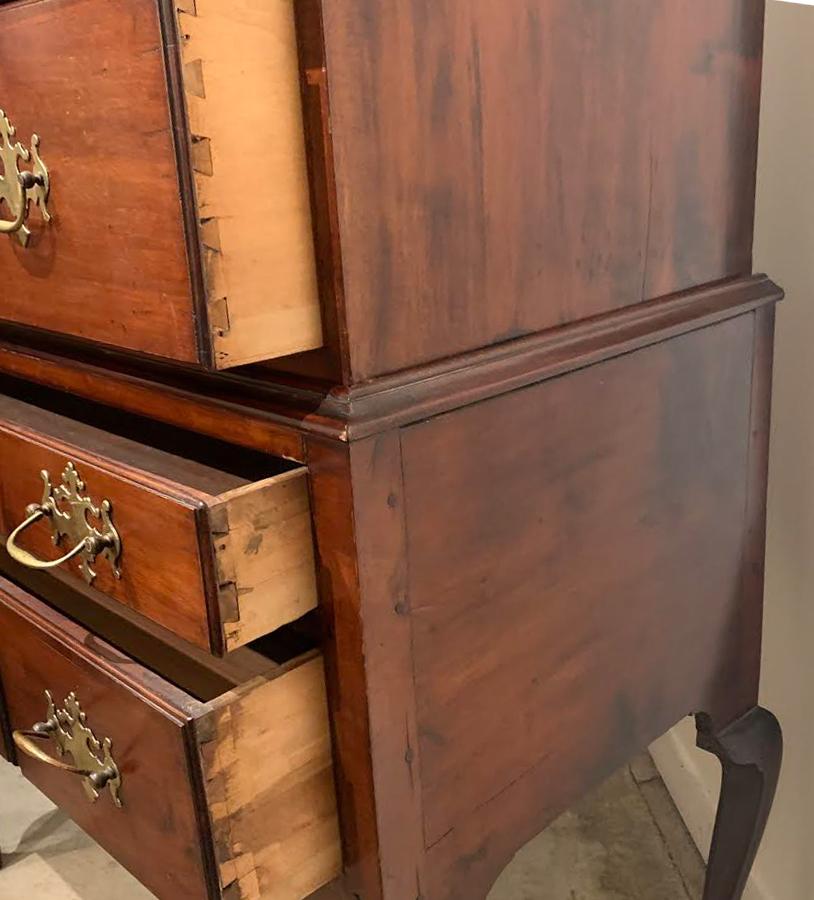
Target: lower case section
<point x="583" y="569"/>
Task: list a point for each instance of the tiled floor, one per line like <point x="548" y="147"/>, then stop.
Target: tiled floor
<point x="625" y="842"/>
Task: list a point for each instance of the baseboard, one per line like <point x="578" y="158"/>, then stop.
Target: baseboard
<point x="693" y="780"/>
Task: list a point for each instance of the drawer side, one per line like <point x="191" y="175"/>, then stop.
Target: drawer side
<point x="268" y="778"/>
<point x="241" y="76"/>
<point x="264" y="557"/>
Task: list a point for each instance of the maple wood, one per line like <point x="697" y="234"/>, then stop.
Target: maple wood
<point x="536" y="439"/>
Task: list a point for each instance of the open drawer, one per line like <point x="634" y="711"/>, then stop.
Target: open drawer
<point x="219" y="795"/>
<point x="173" y="211"/>
<point x="208" y="541"/>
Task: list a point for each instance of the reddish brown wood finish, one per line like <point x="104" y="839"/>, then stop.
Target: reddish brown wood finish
<point x="162" y="562"/>
<point x="335" y="535"/>
<point x="193" y="546"/>
<point x="558" y="576"/>
<point x="500" y="174"/>
<point x="605" y="535"/>
<point x="271" y="413"/>
<point x="157" y="834"/>
<point x="539" y="492"/>
<point x="220" y="412"/>
<point x="88" y="77"/>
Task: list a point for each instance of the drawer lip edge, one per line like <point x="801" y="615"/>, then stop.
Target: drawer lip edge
<point x="174" y="702"/>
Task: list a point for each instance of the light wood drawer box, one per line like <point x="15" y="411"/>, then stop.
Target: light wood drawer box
<point x="219" y="551"/>
<point x="173" y="136"/>
<point x="227" y="796"/>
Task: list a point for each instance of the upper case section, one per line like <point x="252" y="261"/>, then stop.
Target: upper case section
<point x="133" y="99"/>
<point x="477" y="173"/>
<point x="534" y="162"/>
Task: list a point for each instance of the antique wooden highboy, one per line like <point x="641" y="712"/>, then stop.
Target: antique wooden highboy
<point x="384" y="404"/>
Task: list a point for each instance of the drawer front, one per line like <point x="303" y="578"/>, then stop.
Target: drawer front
<point x="156" y="833"/>
<point x="217" y="559"/>
<point x="127" y="259"/>
<point x="227" y="797"/>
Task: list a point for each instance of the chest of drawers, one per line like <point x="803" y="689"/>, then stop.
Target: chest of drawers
<point x="384" y="403"/>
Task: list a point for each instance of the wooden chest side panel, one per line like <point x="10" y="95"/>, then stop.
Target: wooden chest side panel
<point x="500" y="173"/>
<point x="575" y="557"/>
<point x="88" y="77"/>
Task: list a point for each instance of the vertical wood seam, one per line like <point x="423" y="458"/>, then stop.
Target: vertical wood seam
<point x="415" y="760"/>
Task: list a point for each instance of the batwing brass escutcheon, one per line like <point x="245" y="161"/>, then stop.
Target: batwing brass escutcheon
<point x="21" y="189"/>
<point x="68" y="512"/>
<point x="68" y="729"/>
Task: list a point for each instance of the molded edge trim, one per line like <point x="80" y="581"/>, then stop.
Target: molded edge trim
<point x="419" y="394"/>
<point x="273" y="416"/>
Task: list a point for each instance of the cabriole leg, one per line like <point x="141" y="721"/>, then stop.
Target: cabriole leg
<point x="751" y="752"/>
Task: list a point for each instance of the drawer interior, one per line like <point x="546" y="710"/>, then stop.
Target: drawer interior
<point x="216" y="540"/>
<point x="196" y="672"/>
<point x="223" y="788"/>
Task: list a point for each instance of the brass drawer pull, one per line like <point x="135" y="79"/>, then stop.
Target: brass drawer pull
<point x="92" y="759"/>
<point x="21" y="189"/>
<point x="71" y="522"/>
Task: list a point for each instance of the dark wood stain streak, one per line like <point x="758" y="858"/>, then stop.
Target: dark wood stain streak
<point x="602" y="187"/>
<point x="603" y="534"/>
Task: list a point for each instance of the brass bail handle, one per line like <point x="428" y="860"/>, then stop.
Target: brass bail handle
<point x="26" y="181"/>
<point x="28" y="743"/>
<point x="91" y="757"/>
<point x="90" y="545"/>
<point x="71" y="514"/>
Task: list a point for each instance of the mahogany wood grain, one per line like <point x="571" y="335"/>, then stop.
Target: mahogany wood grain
<point x="534" y="168"/>
<point x="162" y="564"/>
<point x="380" y="503"/>
<point x="220" y="413"/>
<point x="88" y="77"/>
<point x="575" y="558"/>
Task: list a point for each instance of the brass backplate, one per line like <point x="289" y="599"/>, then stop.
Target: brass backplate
<point x="68" y="509"/>
<point x="68" y="728"/>
<point x="19" y="199"/>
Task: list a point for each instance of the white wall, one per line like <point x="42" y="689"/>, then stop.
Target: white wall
<point x="784" y="249"/>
